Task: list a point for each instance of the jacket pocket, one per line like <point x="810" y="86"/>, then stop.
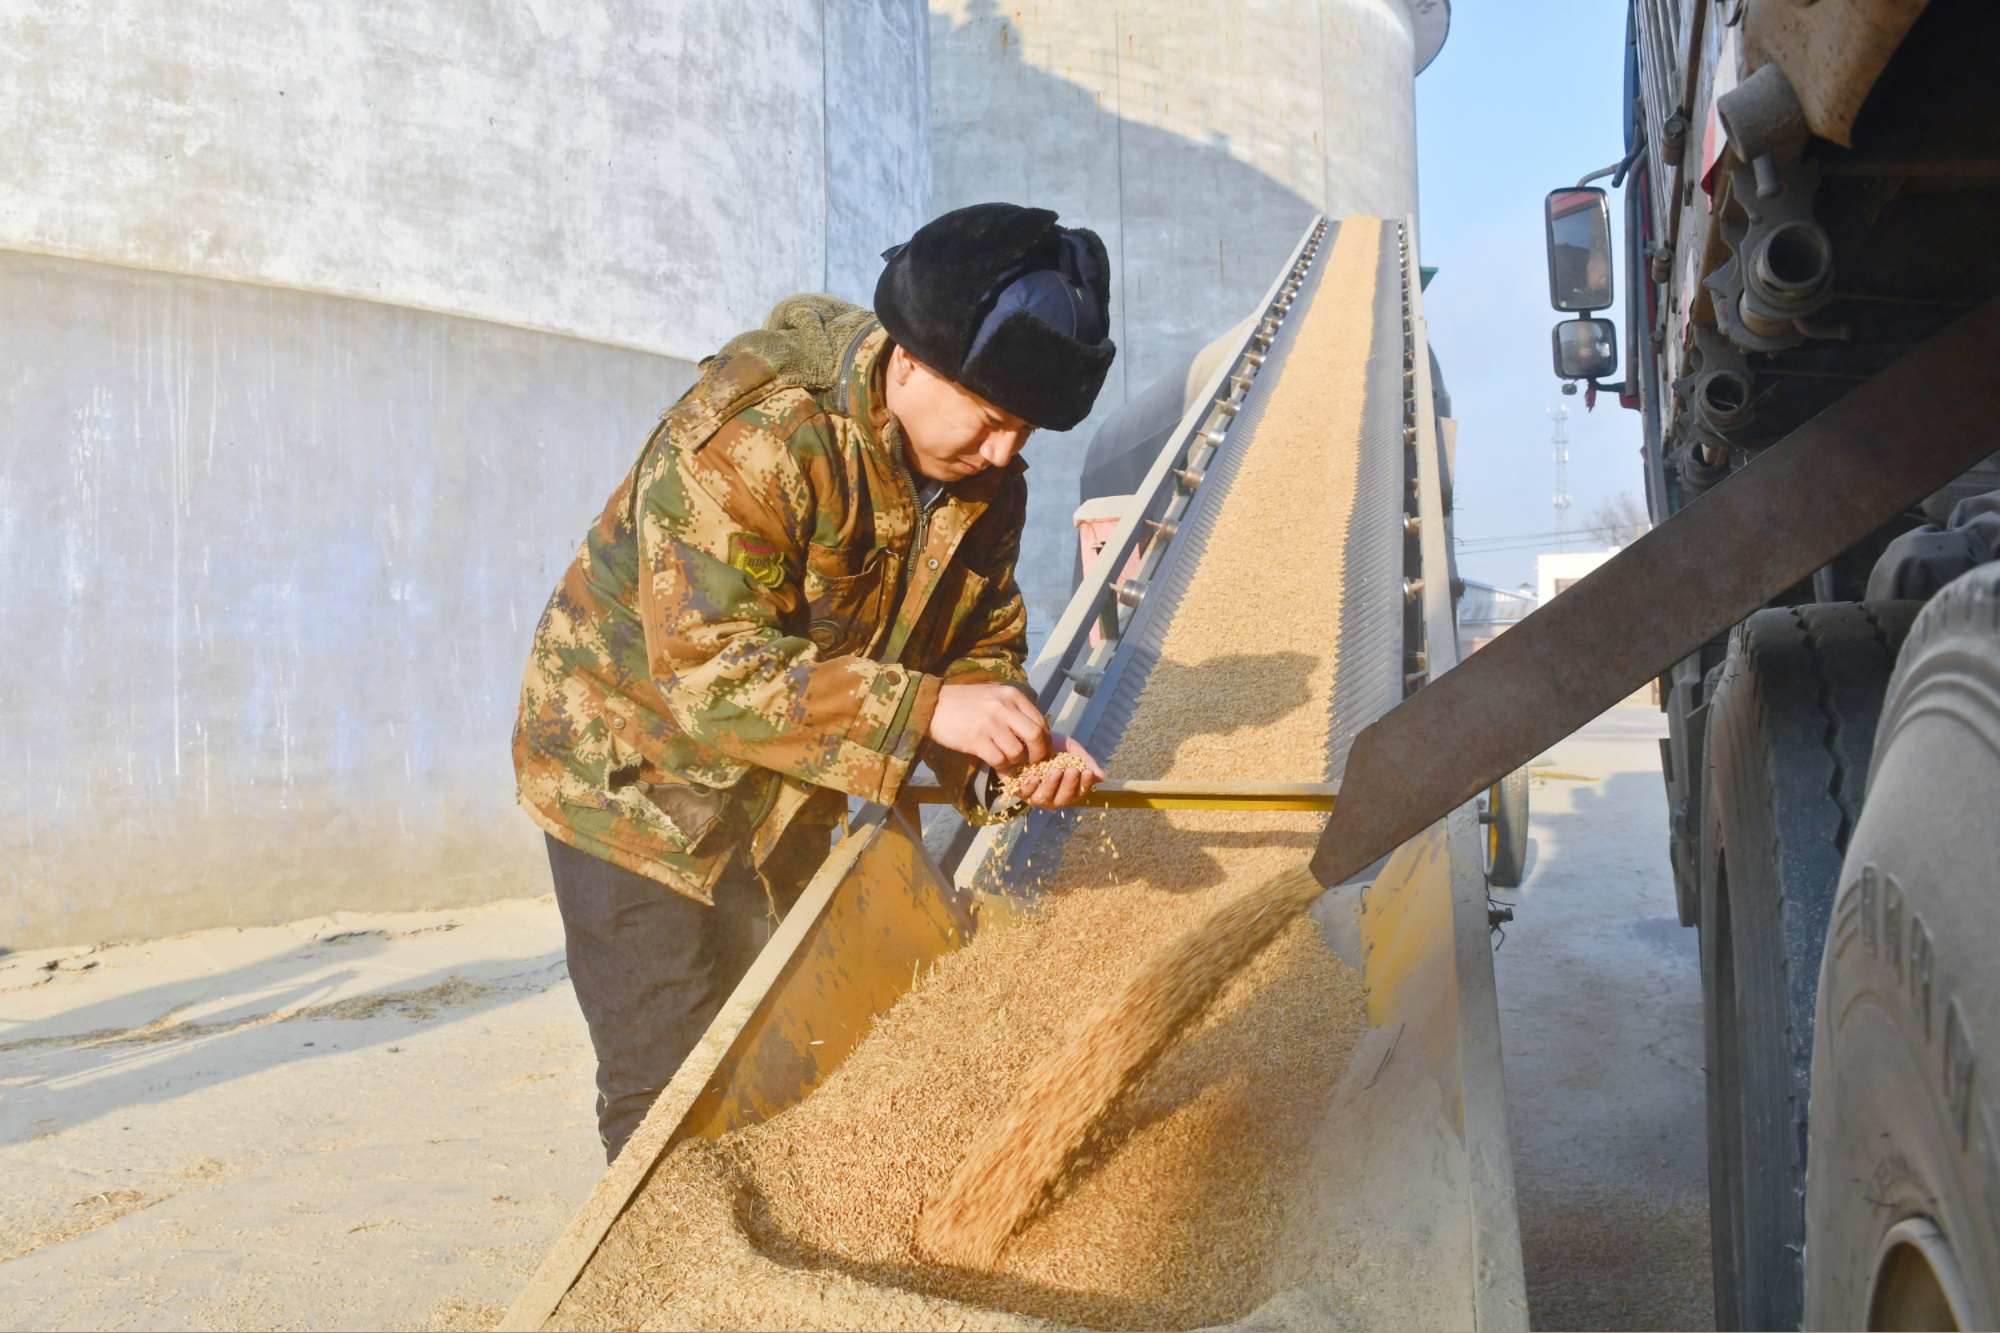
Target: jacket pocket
<point x="676" y="810"/>
<point x="691" y="808"/>
<point x="844" y="610"/>
<point x="954" y="602"/>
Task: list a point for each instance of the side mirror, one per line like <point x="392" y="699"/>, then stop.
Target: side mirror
<point x="1586" y="349"/>
<point x="1579" y="232"/>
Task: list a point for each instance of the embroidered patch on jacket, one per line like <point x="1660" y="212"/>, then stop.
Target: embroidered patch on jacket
<point x="758" y="558"/>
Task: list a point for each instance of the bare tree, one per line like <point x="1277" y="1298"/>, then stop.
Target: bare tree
<point x="1618" y="520"/>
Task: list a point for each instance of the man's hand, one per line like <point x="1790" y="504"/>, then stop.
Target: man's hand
<point x="1062" y="786"/>
<point x="994" y="723"/>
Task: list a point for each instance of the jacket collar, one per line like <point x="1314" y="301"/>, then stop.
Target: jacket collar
<point x="858" y="394"/>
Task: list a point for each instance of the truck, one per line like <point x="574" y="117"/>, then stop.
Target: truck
<point x="1810" y="192"/>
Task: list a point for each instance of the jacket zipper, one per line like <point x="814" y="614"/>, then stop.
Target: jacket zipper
<point x="920" y="530"/>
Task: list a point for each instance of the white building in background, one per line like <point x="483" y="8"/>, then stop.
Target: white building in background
<point x="1485" y="611"/>
<point x="1557" y="570"/>
<point x="325" y="329"/>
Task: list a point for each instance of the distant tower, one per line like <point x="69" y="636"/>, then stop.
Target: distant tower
<point x="1559" y="437"/>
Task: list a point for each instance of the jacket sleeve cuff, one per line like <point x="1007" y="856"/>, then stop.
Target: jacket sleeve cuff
<point x="905" y="736"/>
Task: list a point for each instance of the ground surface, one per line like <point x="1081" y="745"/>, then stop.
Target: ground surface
<point x="1600" y="1016"/>
<point x="354" y="1122"/>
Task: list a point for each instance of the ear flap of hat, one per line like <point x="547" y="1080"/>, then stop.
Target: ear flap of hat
<point x="1044" y="377"/>
<point x="930" y="295"/>
<point x="1090" y="270"/>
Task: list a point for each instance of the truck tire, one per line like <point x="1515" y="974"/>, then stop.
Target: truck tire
<point x="1791" y="728"/>
<point x="1506" y="820"/>
<point x="1903" y="1205"/>
<point x="1682" y="765"/>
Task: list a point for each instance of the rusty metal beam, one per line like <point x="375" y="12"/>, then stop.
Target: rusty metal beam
<point x="1831" y="482"/>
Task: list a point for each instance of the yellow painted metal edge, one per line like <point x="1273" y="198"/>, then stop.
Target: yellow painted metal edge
<point x="1499" y="1292"/>
<point x="893" y="915"/>
<point x="565" y="1260"/>
<point x="1122" y="795"/>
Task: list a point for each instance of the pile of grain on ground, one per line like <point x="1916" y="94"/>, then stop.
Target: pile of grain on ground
<point x="806" y="1221"/>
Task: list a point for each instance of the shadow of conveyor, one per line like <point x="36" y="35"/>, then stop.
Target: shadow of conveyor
<point x="1190" y="708"/>
<point x="994" y="1291"/>
<point x="56" y="1083"/>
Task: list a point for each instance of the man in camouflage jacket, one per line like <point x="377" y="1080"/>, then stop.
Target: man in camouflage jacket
<point x="804" y="587"/>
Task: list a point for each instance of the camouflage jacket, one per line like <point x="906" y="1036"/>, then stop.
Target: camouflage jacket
<point x="760" y="619"/>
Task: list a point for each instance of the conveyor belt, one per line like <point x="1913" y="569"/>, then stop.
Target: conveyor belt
<point x="1426" y="1137"/>
<point x="1104" y="722"/>
<point x="1035" y="852"/>
<point x="1372" y="632"/>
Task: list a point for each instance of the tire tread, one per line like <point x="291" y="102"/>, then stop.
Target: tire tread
<point x="1791" y="731"/>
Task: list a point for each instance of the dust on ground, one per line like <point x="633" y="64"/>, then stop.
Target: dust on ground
<point x="376" y="1120"/>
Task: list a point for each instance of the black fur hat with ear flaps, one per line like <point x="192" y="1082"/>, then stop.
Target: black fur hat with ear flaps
<point x="1001" y="300"/>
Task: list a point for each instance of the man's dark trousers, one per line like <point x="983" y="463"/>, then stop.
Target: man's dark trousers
<point x="650" y="967"/>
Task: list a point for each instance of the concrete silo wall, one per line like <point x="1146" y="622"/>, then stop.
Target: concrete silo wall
<point x="324" y="331"/>
<point x="641" y="174"/>
<point x="1196" y="137"/>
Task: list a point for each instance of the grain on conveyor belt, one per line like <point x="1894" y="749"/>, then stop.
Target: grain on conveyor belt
<point x="808" y="1220"/>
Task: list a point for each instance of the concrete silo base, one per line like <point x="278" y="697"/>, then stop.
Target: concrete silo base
<point x="274" y="559"/>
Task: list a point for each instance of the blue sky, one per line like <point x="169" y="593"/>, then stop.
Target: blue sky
<point x="1523" y="98"/>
